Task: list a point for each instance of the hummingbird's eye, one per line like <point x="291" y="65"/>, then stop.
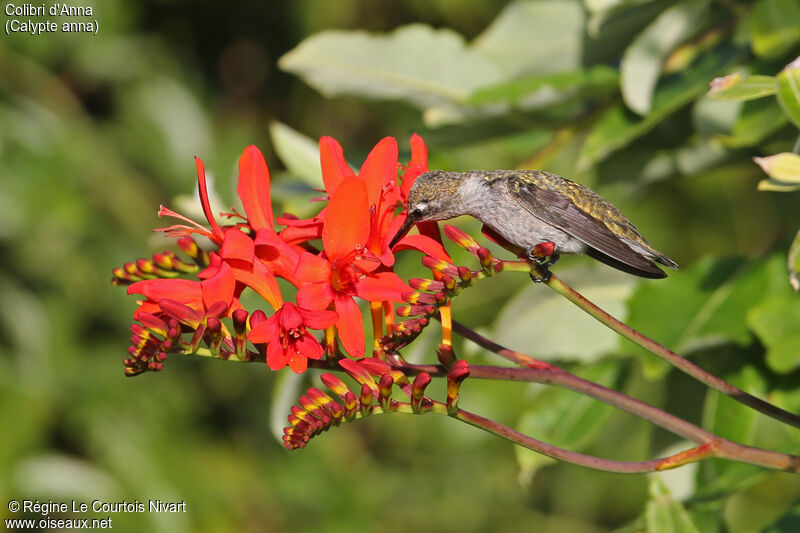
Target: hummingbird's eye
<point x="416" y="212"/>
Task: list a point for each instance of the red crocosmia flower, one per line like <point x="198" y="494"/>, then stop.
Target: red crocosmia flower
<point x="238" y="251"/>
<point x="418" y="164"/>
<point x="334" y="170"/>
<point x="192" y="299"/>
<point x="289" y="342"/>
<point x="345" y="272"/>
<point x="379" y="177"/>
<point x="253" y="189"/>
<point x="185" y="291"/>
<point x="180" y="230"/>
<point x="298" y="231"/>
<point x="254" y="262"/>
<point x="269" y="252"/>
<point x="332" y="163"/>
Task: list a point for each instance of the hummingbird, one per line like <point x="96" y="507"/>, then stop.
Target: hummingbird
<point x="530" y="207"/>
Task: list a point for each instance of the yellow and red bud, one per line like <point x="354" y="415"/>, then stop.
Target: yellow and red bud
<point x="461" y="239"/>
<point x="366" y="399"/>
<point x="418" y="392"/>
<point x="439" y="265"/>
<point x="457" y="374"/>
<point x="335" y="384"/>
<point x="385" y="389"/>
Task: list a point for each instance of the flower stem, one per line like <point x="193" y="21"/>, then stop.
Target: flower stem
<point x="709" y="445"/>
<point x="671" y="357"/>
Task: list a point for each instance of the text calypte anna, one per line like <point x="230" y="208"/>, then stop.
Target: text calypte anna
<point x="529" y="207"/>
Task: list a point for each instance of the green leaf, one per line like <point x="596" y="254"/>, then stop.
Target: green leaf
<point x="542" y="37"/>
<point x="777" y="186"/>
<point x="734" y="87"/>
<point x="602" y="10"/>
<point x="730" y="419"/>
<point x="665" y="515"/>
<point x="757" y="120"/>
<point x="416" y="63"/>
<point x="532" y="92"/>
<point x="774" y="27"/>
<point x="793" y="262"/>
<point x="762" y="504"/>
<point x="617" y="127"/>
<point x="544" y="323"/>
<point x="783" y="167"/>
<point x="299" y="153"/>
<point x="789" y="91"/>
<point x="711" y="118"/>
<point x="564" y="418"/>
<point x="700" y="306"/>
<point x="776" y="322"/>
<point x="642" y="60"/>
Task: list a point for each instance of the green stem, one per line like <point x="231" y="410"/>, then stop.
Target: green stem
<point x="671" y="357"/>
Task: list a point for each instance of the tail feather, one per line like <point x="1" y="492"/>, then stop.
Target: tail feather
<point x="651" y="272"/>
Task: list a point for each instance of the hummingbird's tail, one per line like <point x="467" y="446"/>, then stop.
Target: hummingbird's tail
<point x="644" y="267"/>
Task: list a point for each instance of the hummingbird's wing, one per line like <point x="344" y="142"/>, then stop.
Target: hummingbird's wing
<point x="560" y="208"/>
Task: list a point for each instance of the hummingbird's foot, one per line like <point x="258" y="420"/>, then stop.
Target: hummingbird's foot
<point x="545" y="277"/>
<point x="544" y="256"/>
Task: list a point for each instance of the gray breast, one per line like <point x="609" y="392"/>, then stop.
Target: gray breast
<point x="493" y="205"/>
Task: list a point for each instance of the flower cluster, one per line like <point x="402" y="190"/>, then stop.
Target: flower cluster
<point x="318" y="411"/>
<point x="334" y="259"/>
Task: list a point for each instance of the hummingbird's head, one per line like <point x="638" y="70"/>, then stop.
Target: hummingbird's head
<point x="434" y="196"/>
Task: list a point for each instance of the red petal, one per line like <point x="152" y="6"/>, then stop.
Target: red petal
<point x="214" y="262"/>
<point x="379" y="168"/>
<point x="309" y="346"/>
<point x="276" y="357"/>
<point x="180" y="290"/>
<point x="312" y="268"/>
<point x="346" y="224"/>
<point x="279" y="256"/>
<point x="298" y="235"/>
<point x="267" y="331"/>
<point x="418" y="164"/>
<point x="350" y="326"/>
<point x="318" y="319"/>
<point x="298" y="363"/>
<point x="219" y="288"/>
<point x="315" y="296"/>
<point x="203" y="190"/>
<point x="424" y="244"/>
<point x="419" y="151"/>
<point x="381" y="287"/>
<point x="237" y="246"/>
<point x="288" y="317"/>
<point x="253" y="188"/>
<point x="263" y="282"/>
<point x="334" y="167"/>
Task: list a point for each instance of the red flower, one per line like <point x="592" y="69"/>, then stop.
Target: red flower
<point x="289" y="342"/>
<point x="254" y="256"/>
<point x="356" y="229"/>
<point x="346" y="272"/>
<point x="217" y="288"/>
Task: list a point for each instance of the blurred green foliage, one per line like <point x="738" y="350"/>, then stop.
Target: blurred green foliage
<point x="96" y="131"/>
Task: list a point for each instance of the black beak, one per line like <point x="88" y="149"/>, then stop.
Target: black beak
<point x="403" y="230"/>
